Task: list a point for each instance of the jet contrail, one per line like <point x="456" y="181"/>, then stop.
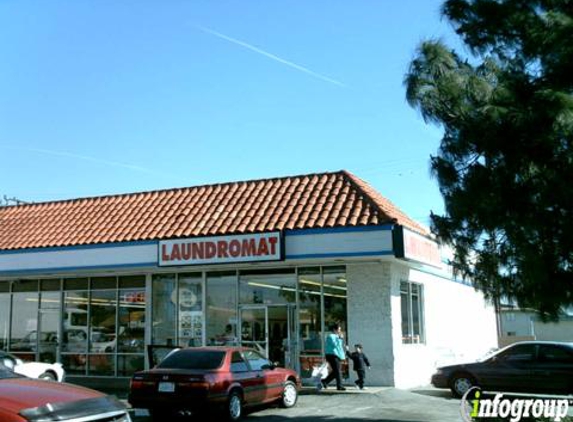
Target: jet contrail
<point x="271" y="56"/>
<point x="86" y="158"/>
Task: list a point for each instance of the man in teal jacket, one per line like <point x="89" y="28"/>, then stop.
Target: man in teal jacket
<point x="334" y="351"/>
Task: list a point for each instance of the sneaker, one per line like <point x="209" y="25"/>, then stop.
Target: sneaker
<point x="363" y="388"/>
<point x="324" y="385"/>
<point x="341" y="388"/>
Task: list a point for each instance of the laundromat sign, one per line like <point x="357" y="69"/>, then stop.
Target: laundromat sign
<point x="221" y="249"/>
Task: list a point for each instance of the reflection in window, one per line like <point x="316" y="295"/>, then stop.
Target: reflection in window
<point x="412" y="308"/>
<point x="131" y="330"/>
<point x="4" y="319"/>
<point x="103" y="306"/>
<point x="75" y="331"/>
<point x="256" y="361"/>
<point x="237" y="363"/>
<point x="519" y="353"/>
<point x="222" y="309"/>
<point x="334" y="291"/>
<point x="24" y="324"/>
<point x="164" y="310"/>
<point x="267" y="288"/>
<point x="310" y="320"/>
<point x="190" y="312"/>
<point x="101" y="365"/>
<point x="177" y="309"/>
<point x="555" y="354"/>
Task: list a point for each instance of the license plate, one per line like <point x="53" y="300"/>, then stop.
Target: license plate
<point x="166" y="387"/>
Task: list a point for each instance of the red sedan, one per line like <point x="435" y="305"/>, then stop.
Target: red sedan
<point x="29" y="400"/>
<point x="226" y="378"/>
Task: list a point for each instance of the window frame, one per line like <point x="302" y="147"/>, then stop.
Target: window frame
<point x="410" y="337"/>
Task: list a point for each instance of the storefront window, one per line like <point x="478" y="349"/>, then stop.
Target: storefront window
<point x="310" y="319"/>
<point x="222" y="309"/>
<point x="190" y="310"/>
<point x="164" y="309"/>
<point x="334" y="290"/>
<point x="24" y="325"/>
<point x="131" y="328"/>
<point x="411" y="296"/>
<point x="75" y="330"/>
<point x="49" y="326"/>
<point x="4" y="317"/>
<point x="24" y="333"/>
<point x="102" y="341"/>
<point x="131" y="321"/>
<point x="103" y="306"/>
<point x="268" y="288"/>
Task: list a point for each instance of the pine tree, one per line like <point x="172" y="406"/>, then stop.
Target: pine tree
<point x="505" y="162"/>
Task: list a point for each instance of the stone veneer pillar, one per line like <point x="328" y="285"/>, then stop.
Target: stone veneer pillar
<point x="370" y="318"/>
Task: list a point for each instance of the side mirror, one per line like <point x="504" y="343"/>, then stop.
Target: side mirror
<point x="269" y="366"/>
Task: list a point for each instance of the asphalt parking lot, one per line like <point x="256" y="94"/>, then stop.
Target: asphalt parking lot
<point x="381" y="404"/>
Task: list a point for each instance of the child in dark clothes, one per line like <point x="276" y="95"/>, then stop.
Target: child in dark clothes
<point x="360" y="363"/>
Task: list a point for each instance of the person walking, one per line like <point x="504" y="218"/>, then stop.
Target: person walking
<point x="334" y="351"/>
<point x="360" y="363"/>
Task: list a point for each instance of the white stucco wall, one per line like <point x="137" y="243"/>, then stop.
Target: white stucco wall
<point x="459" y="326"/>
<point x="554" y="331"/>
<point x="517" y="322"/>
<point x="369" y="318"/>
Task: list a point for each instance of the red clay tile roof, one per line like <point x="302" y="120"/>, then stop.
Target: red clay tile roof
<point x="322" y="200"/>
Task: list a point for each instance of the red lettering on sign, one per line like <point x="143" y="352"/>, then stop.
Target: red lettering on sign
<point x="222" y="249"/>
<point x="273" y="242"/>
<point x="210" y="249"/>
<point x="263" y="247"/>
<point x="164" y="254"/>
<point x="175" y="255"/>
<point x="186" y="250"/>
<point x="198" y="250"/>
<point x="249" y="247"/>
<point x="235" y="248"/>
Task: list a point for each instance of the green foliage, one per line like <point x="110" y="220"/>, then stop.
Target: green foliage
<point x="505" y="163"/>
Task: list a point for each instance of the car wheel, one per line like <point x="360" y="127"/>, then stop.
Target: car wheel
<point x="461" y="383"/>
<point x="234" y="406"/>
<point x="48" y="376"/>
<point x="289" y="396"/>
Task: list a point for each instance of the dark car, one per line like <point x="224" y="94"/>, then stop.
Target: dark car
<point x="196" y="380"/>
<point x="28" y="400"/>
<point x="532" y="366"/>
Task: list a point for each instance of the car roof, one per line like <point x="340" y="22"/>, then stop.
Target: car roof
<point x="544" y="342"/>
<point x="220" y="348"/>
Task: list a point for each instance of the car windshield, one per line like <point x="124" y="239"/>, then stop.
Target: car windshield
<point x="193" y="359"/>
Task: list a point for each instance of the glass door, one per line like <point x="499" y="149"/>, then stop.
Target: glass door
<point x="254" y="328"/>
<point x="272" y="331"/>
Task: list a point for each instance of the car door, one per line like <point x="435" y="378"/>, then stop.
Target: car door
<point x="552" y="372"/>
<point x="257" y="363"/>
<point x="510" y="370"/>
<point x="247" y="378"/>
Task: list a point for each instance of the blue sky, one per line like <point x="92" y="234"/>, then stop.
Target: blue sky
<point x="111" y="96"/>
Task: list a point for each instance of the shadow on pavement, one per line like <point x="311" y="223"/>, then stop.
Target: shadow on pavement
<point x="276" y="418"/>
<point x="444" y="394"/>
